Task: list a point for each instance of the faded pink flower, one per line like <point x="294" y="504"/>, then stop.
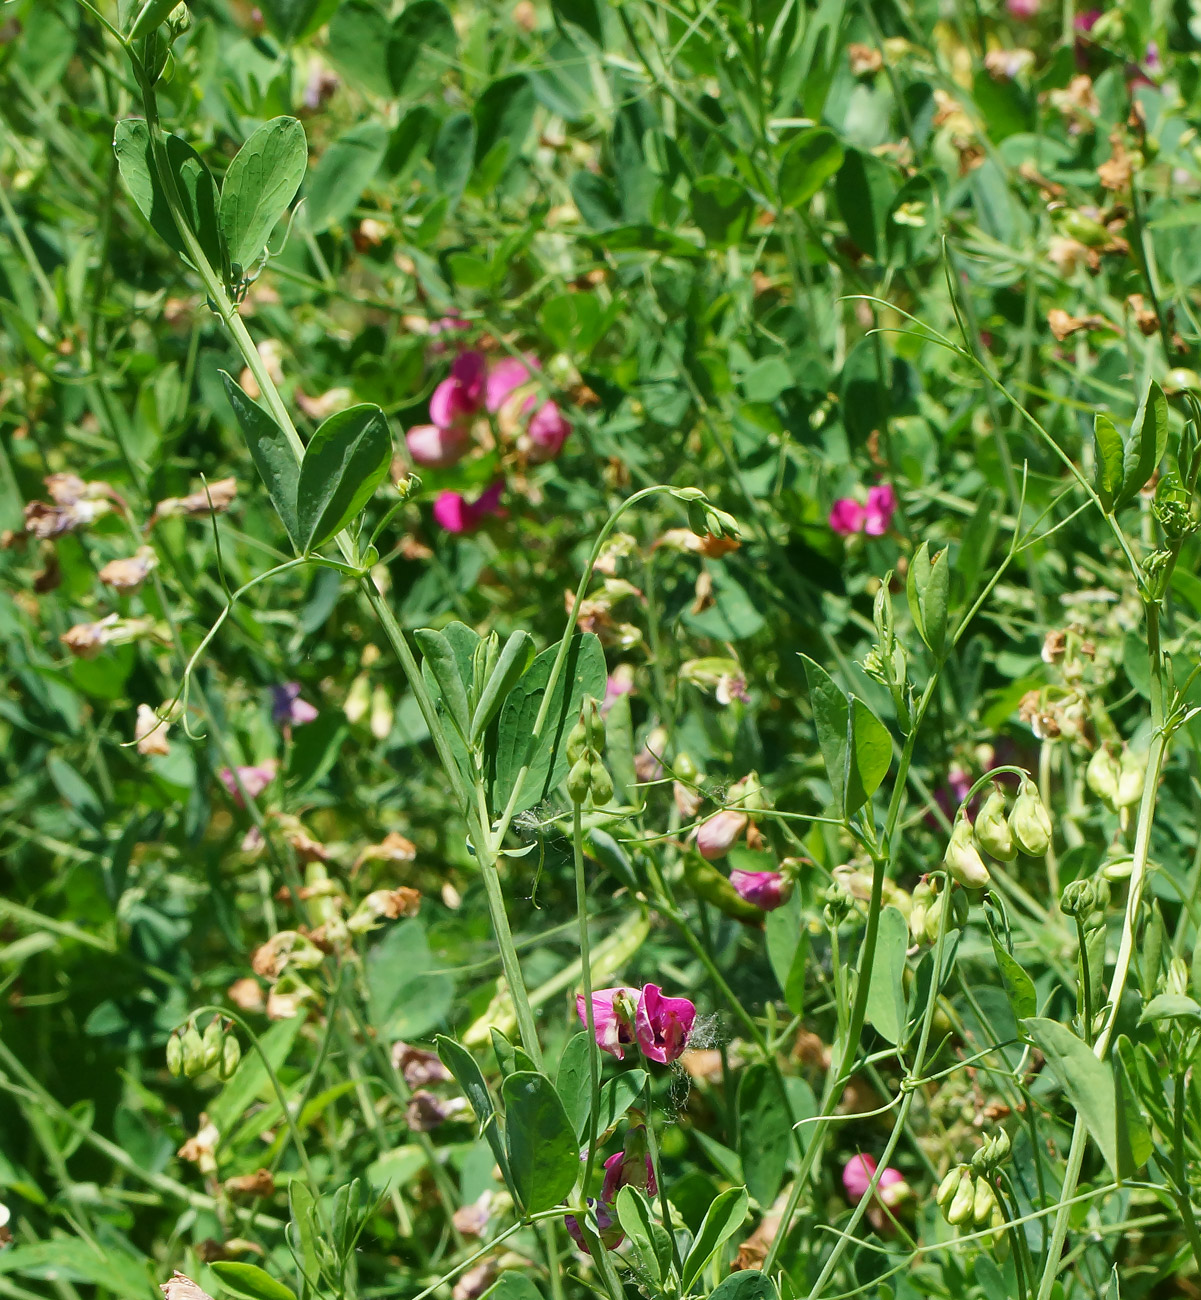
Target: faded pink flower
<point x="254" y="779"/>
<point x="458" y="515"/>
<point x="436" y="447"/>
<point x="716" y="835"/>
<point x="765" y="889"/>
<point x="613" y="1012"/>
<point x="458" y="397"/>
<point x="546" y="432"/>
<point x="663" y="1025"/>
<point x="846" y="516"/>
<point x="881" y="504"/>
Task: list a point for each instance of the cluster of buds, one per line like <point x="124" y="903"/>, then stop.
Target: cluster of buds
<point x="969" y="1200"/>
<point x="585" y="746"/>
<point x="887" y="662"/>
<point x="191" y="1053"/>
<point x="704" y="518"/>
<point x="1085" y="900"/>
<point x="1027" y="828"/>
<point x="1117" y="780"/>
<point x="928" y="905"/>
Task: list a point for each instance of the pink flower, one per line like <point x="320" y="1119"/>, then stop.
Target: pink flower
<point x="881" y="503"/>
<point x="546" y="432"/>
<point x="1086" y="21"/>
<point x="254" y="779"/>
<point x="857" y="1176"/>
<point x="619" y="682"/>
<point x="505" y="378"/>
<point x="287" y="708"/>
<point x="846" y="517"/>
<point x="458" y="398"/>
<point x="662" y="1025"/>
<point x="716" y="836"/>
<point x="613" y="1012"/>
<point x="607" y="1227"/>
<point x="622" y="1170"/>
<point x="458" y="515"/>
<point x="1022" y="10"/>
<point x="765" y="889"/>
<point x="434" y="446"/>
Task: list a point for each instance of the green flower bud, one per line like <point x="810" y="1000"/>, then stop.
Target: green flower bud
<point x="992" y="1154"/>
<point x="963" y="1202"/>
<point x="1180" y="380"/>
<point x="962" y="858"/>
<point x="1079" y="898"/>
<point x="231" y="1055"/>
<point x="1030" y="821"/>
<point x="579" y="779"/>
<point x="1102" y="775"/>
<point x="602" y="783"/>
<point x="577" y="742"/>
<point x="192" y="1052"/>
<point x="984" y="1201"/>
<point x="948" y="1187"/>
<point x="992" y="830"/>
<point x="1118" y="868"/>
<point x="684" y="767"/>
<point x="1177" y="981"/>
<point x="211" y="1042"/>
<point x="175" y="1055"/>
<point x="1132" y="776"/>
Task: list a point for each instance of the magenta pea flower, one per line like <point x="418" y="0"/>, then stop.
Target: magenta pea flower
<point x="663" y="1025"/>
<point x="458" y="515"/>
<point x="846" y="516"/>
<point x="607" y="1227"/>
<point x="613" y="1012"/>
<point x="505" y="378"/>
<point x="458" y="397"/>
<point x="436" y="447"/>
<point x="766" y="890"/>
<point x="254" y="779"/>
<point x="1022" y="10"/>
<point x="717" y="834"/>
<point x="623" y="1170"/>
<point x="546" y="432"/>
<point x="287" y="708"/>
<point x="881" y="505"/>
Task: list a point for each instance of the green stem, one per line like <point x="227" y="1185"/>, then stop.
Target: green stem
<point x="581" y="905"/>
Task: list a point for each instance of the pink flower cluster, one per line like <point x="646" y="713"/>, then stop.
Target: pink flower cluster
<point x="623" y="1016"/>
<point x="508" y="392"/>
<point x="849" y="516"/>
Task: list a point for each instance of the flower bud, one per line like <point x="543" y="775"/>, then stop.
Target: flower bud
<point x="984" y="1201"/>
<point x="1118" y="868"/>
<point x="1132" y="776"/>
<point x="717" y="835"/>
<point x="1079" y="898"/>
<point x="231" y="1055"/>
<point x="358" y="699"/>
<point x="175" y="1055"/>
<point x="962" y="1203"/>
<point x="577" y="742"/>
<point x="1177" y="981"/>
<point x="992" y="830"/>
<point x="962" y="859"/>
<point x="192" y="1052"/>
<point x="211" y="1042"/>
<point x="381" y="714"/>
<point x="1030" y="821"/>
<point x="948" y="1187"/>
<point x="579" y="780"/>
<point x="1102" y="775"/>
<point x="601" y="782"/>
<point x="992" y="1154"/>
<point x="684" y="766"/>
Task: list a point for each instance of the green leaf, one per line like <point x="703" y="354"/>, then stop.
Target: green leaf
<point x="409" y="994"/>
<point x="291" y="20"/>
<point x="437" y="653"/>
<point x="764" y="1133"/>
<point x="359" y="35"/>
<point x="725" y="1217"/>
<point x="582" y="14"/>
<point x="1019" y="987"/>
<point x="468" y="1075"/>
<point x="866" y="188"/>
<point x="422" y="48"/>
<point x="886" y="1004"/>
<point x="261" y="182"/>
<point x="722" y="208"/>
<point x="515" y="660"/>
<point x="544" y="1157"/>
<point x="1170" y="1006"/>
<point x="302" y="1232"/>
<point x="927" y="587"/>
<point x="250" y="1082"/>
<point x="808" y="162"/>
<point x="504" y="114"/>
<point x="855" y="744"/>
<point x="345" y="170"/>
<point x="573" y="1080"/>
<point x="831" y="713"/>
<point x="1108" y="454"/>
<point x="154" y="13"/>
<point x="747" y="1284"/>
<point x="1147" y="444"/>
<point x="871" y="746"/>
<point x="514" y="1285"/>
<point x="453" y="155"/>
<point x="347" y="459"/>
<point x="250" y="1282"/>
<point x="271" y="452"/>
<point x="584" y="674"/>
<point x="616" y="1097"/>
<point x="1090" y="1087"/>
<point x="634" y="1215"/>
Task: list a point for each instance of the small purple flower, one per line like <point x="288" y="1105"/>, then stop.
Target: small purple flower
<point x="767" y="890"/>
<point x="881" y="505"/>
<point x="857" y="1177"/>
<point x="663" y="1025"/>
<point x="458" y="398"/>
<point x="613" y="1013"/>
<point x="287" y="708"/>
<point x="608" y="1229"/>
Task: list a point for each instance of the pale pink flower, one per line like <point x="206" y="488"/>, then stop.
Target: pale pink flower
<point x="613" y="1013"/>
<point x="458" y="397"/>
<point x="716" y="836"/>
<point x="546" y="432"/>
<point x="505" y="378"/>
<point x="857" y="1176"/>
<point x="436" y="447"/>
<point x="1022" y="10"/>
<point x="287" y="708"/>
<point x="254" y="779"/>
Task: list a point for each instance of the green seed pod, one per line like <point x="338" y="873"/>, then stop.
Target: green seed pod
<point x="1030" y="821"/>
<point x="992" y="830"/>
<point x="192" y="1052"/>
<point x="577" y="742"/>
<point x="602" y="783"/>
<point x="211" y="1042"/>
<point x="1102" y="776"/>
<point x="231" y="1055"/>
<point x="962" y="1203"/>
<point x="1132" y="776"/>
<point x="579" y="780"/>
<point x="962" y="858"/>
<point x="175" y="1055"/>
<point x="948" y="1187"/>
<point x="596" y="728"/>
<point x="983" y="1202"/>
